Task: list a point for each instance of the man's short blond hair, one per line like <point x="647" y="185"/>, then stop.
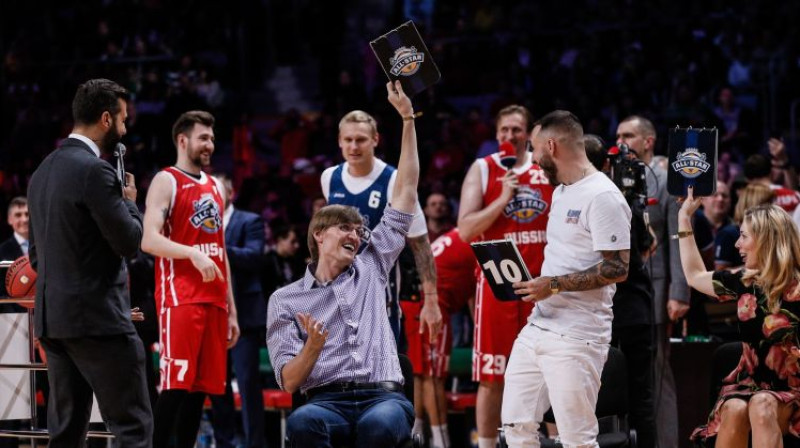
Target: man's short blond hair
<point x="359" y="116"/>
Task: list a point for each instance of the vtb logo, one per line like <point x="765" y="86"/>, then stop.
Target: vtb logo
<point x="206" y="216"/>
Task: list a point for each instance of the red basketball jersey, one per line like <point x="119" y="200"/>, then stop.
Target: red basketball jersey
<point x="455" y="269"/>
<point x="785" y="198"/>
<point x="524" y="218"/>
<point x="195" y="219"/>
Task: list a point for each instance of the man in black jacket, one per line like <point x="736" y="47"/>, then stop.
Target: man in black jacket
<point x="16" y="245"/>
<point x="83" y="222"/>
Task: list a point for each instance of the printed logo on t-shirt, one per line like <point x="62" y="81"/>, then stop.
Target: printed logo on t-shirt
<point x="613" y="238"/>
<point x="206" y="216"/>
<point x="573" y="216"/>
<point x="526" y="205"/>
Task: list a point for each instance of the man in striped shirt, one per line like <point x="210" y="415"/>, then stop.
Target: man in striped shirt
<point x="327" y="333"/>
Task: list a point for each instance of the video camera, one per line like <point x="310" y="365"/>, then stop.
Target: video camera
<point x="629" y="174"/>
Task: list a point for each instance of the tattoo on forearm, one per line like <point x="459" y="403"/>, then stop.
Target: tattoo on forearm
<point x="613" y="269"/>
<point x="423" y="257"/>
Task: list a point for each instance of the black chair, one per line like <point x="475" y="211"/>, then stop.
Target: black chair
<point x="298" y="399"/>
<point x="725" y="358"/>
<point x="612" y="407"/>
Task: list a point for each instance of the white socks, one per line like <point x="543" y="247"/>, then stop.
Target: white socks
<point x="440" y="437"/>
<point x="487" y="442"/>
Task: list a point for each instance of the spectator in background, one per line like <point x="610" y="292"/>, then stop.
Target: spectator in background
<point x="735" y="120"/>
<point x="438" y="215"/>
<point x="17" y="245"/>
<point x="716" y="209"/>
<point x="783" y="172"/>
<point x="757" y="170"/>
<point x="281" y="263"/>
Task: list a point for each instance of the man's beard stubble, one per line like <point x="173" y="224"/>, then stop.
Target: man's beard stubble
<point x="195" y="157"/>
<point x="109" y="142"/>
<point x="550" y="171"/>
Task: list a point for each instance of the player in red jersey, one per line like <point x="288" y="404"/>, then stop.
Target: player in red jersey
<point x="500" y="203"/>
<point x="455" y="285"/>
<point x="197" y="315"/>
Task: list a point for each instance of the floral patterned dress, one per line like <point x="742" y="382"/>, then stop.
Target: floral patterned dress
<point x="770" y="354"/>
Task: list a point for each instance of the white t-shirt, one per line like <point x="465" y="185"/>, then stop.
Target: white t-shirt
<point x="586" y="217"/>
<point x="356" y="185"/>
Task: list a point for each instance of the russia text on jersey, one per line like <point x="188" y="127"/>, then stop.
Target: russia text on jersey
<point x="527" y="237"/>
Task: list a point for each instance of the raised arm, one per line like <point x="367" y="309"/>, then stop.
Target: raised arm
<point x="154" y="242"/>
<point x="693" y="267"/>
<point x="473" y="217"/>
<point x="404" y="197"/>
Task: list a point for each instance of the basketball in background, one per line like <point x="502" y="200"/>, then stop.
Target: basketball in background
<point x="21" y="280"/>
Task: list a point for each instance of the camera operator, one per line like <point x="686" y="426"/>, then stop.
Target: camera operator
<point x="632" y="329"/>
<point x="670" y="290"/>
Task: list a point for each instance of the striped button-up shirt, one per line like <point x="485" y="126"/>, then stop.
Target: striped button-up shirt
<point x="360" y="345"/>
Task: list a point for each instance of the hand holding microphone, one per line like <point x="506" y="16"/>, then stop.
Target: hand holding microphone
<point x="508" y="158"/>
<point x="508" y="155"/>
<point x="125" y="179"/>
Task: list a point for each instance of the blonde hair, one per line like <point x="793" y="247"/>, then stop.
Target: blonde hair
<point x="751" y="196"/>
<point x="329" y="216"/>
<point x="359" y="116"/>
<point x="777" y="250"/>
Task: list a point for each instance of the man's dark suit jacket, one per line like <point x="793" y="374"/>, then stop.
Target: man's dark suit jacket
<point x="80" y="228"/>
<point x="10" y="249"/>
<point x="244" y="242"/>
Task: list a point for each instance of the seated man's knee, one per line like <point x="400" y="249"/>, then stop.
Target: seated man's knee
<point x="735" y="413"/>
<point x="763" y="410"/>
<point x="305" y="426"/>
<point x="386" y="424"/>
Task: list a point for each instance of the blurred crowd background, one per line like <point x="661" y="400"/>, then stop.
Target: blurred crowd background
<point x="278" y="75"/>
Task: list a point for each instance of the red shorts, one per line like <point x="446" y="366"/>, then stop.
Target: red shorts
<point x="427" y="359"/>
<point x="497" y="324"/>
<point x="194" y="344"/>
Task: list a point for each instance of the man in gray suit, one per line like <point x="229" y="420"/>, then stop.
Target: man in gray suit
<point x="671" y="292"/>
<point x="82" y="223"/>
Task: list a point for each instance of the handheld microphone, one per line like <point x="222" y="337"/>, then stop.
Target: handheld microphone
<point x="119" y="152"/>
<point x="508" y="155"/>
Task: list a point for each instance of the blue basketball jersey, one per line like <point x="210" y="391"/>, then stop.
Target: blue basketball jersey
<point x="370" y="202"/>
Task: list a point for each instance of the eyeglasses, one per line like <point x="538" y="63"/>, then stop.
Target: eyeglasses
<point x="361" y="232"/>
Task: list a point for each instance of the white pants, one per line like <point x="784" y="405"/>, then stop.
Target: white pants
<point x="547" y="369"/>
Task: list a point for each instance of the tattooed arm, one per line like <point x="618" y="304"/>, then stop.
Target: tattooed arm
<point x="423" y="257"/>
<point x="159" y="196"/>
<point x="612" y="269"/>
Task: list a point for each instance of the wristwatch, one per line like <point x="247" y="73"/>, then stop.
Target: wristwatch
<point x="554" y="287"/>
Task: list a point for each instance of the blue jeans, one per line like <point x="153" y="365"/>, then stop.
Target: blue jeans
<point x="361" y="418"/>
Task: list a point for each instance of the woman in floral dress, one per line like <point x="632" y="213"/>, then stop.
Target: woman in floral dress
<point x="762" y="394"/>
